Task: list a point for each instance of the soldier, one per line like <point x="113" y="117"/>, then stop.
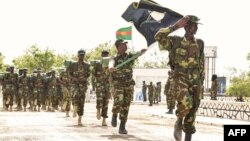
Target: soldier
<point x="123" y="85"/>
<point x="53" y="97"/>
<point x="150" y="93"/>
<point x="214" y="87"/>
<point x="18" y="96"/>
<point x="23" y="89"/>
<point x="168" y="91"/>
<point x="79" y="73"/>
<point x="45" y="96"/>
<point x="38" y="87"/>
<point x="101" y="75"/>
<point x="10" y="81"/>
<point x="4" y="87"/>
<point x="159" y="91"/>
<point x="188" y="62"/>
<point x="65" y="88"/>
<point x="144" y="91"/>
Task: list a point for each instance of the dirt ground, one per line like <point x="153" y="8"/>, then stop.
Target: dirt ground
<point x="143" y="125"/>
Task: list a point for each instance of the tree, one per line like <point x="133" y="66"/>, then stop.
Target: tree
<point x="35" y="57"/>
<point x="2" y="66"/>
<point x="240" y="86"/>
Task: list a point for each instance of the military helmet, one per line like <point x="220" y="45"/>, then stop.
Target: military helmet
<point x="120" y="41"/>
<point x="105" y="53"/>
<point x="194" y="19"/>
<point x="81" y="51"/>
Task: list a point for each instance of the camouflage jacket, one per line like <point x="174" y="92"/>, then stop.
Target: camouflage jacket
<point x="10" y="79"/>
<point x="100" y="73"/>
<point x="80" y="72"/>
<point x="124" y="75"/>
<point x="187" y="54"/>
<point x="38" y="81"/>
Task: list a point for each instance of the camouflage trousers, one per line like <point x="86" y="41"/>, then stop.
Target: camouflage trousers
<point x="79" y="93"/>
<point x="102" y="98"/>
<point x="9" y="93"/>
<point x="156" y="98"/>
<point x="122" y="99"/>
<point x="170" y="98"/>
<point x="144" y="95"/>
<point x="37" y="97"/>
<point x="23" y="95"/>
<point x="52" y="98"/>
<point x="213" y="95"/>
<point x="187" y="94"/>
<point x="67" y="98"/>
<point x="150" y="98"/>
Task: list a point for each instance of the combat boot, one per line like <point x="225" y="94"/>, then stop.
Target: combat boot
<point x="170" y="111"/>
<point x="34" y="108"/>
<point x="67" y="113"/>
<point x="98" y="114"/>
<point x="79" y="120"/>
<point x="188" y="137"/>
<point x="104" y="122"/>
<point x="122" y="128"/>
<point x="38" y="109"/>
<point x="178" y="129"/>
<point x="114" y="120"/>
<point x="10" y="108"/>
<point x="24" y="109"/>
<point x="74" y="111"/>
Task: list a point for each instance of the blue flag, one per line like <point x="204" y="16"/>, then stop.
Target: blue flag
<point x="140" y="15"/>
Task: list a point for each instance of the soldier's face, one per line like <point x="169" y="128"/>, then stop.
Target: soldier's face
<point x="122" y="48"/>
<point x="191" y="28"/>
<point x="81" y="56"/>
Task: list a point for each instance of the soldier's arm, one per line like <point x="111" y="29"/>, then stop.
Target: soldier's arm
<point x="202" y="59"/>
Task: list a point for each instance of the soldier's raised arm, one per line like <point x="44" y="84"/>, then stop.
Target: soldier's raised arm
<point x="162" y="37"/>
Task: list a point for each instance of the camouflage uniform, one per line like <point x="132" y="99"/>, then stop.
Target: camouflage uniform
<point x="23" y="89"/>
<point x="123" y="86"/>
<point x="101" y="75"/>
<point x="168" y="91"/>
<point x="214" y="87"/>
<point x="150" y="93"/>
<point x="144" y="91"/>
<point x="53" y="97"/>
<point x="188" y="73"/>
<point x="159" y="91"/>
<point x="10" y="81"/>
<point x="38" y="90"/>
<point x="65" y="87"/>
<point x="80" y="72"/>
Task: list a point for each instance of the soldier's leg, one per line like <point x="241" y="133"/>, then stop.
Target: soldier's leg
<point x="118" y="100"/>
<point x="99" y="100"/>
<point x="125" y="109"/>
<point x="80" y="105"/>
<point x="184" y="104"/>
<point x="188" y="126"/>
<point x="105" y="106"/>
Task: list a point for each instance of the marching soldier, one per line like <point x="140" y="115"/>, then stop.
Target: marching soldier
<point x="79" y="73"/>
<point x="188" y="64"/>
<point x="10" y="81"/>
<point x="168" y="91"/>
<point x="123" y="85"/>
<point x="101" y="74"/>
<point x="38" y="87"/>
<point x="23" y="89"/>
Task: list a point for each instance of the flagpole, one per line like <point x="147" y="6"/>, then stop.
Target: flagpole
<point x="132" y="45"/>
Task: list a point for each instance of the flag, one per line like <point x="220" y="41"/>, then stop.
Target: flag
<point x="141" y="16"/>
<point x="124" y="33"/>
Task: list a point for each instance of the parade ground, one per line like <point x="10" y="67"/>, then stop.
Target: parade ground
<point x="145" y="124"/>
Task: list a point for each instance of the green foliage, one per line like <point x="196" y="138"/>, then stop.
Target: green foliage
<point x="2" y="66"/>
<point x="95" y="54"/>
<point x="35" y="57"/>
<point x="240" y="86"/>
